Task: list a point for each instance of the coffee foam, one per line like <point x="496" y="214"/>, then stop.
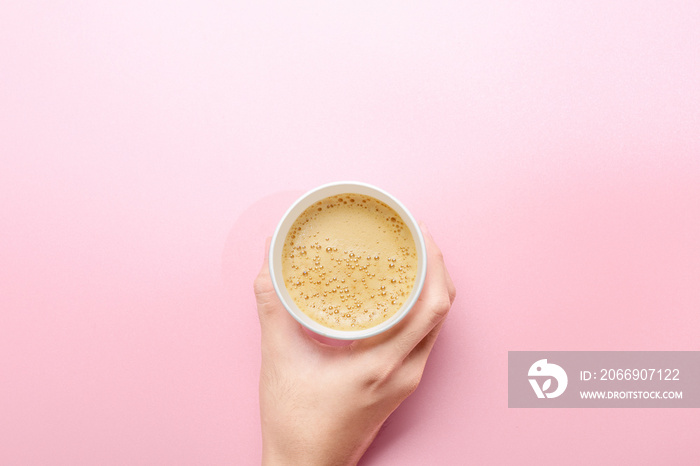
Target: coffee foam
<point x="349" y="262"/>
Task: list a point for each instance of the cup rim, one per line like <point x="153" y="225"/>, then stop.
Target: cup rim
<point x="377" y="329"/>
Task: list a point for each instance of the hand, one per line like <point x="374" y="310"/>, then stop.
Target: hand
<point x="322" y="404"/>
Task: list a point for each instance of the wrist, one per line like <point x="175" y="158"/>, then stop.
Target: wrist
<point x="299" y="457"/>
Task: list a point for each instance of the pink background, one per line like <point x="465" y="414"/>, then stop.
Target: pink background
<point x="148" y="148"/>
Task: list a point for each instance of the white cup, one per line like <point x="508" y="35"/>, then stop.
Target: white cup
<point x="315" y="195"/>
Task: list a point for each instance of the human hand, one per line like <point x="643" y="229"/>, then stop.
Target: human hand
<point x="322" y="404"/>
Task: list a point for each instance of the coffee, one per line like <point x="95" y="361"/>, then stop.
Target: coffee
<point x="349" y="262"/>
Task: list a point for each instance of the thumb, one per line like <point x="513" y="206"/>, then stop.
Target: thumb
<point x="275" y="321"/>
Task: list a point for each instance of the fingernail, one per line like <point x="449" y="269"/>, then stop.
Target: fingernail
<point x="268" y="242"/>
<point x="424" y="227"/>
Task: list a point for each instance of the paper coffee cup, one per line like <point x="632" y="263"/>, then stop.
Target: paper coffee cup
<point x="278" y="241"/>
